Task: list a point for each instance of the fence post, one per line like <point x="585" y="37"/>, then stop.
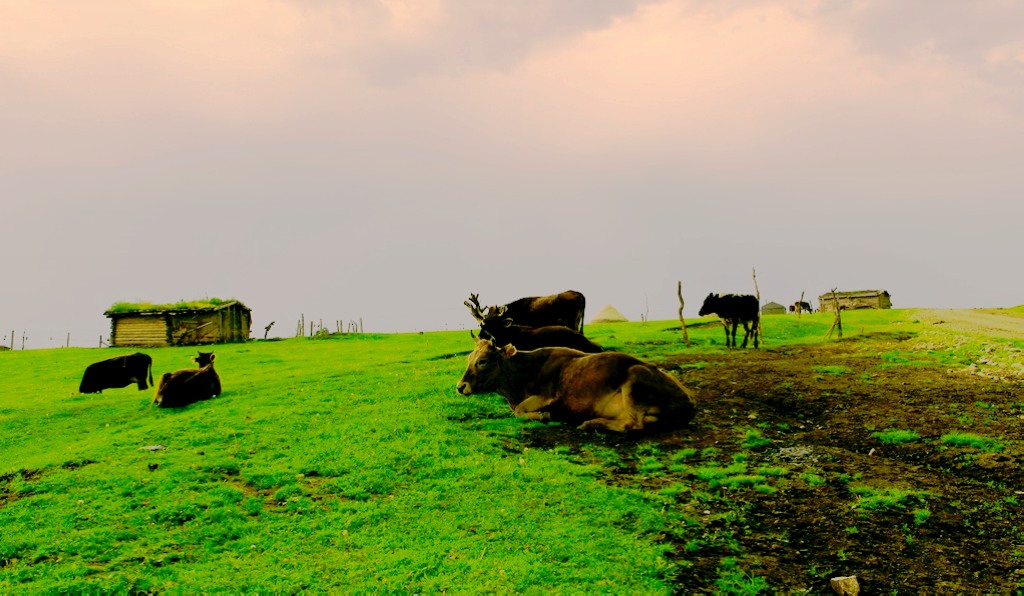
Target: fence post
<point x="682" y="323"/>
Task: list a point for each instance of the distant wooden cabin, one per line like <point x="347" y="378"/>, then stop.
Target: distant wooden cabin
<point x="182" y="324"/>
<point x="773" y="308"/>
<point x="855" y="300"/>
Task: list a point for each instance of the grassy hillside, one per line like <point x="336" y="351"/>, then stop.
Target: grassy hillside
<point x="345" y="463"/>
<point x="326" y="464"/>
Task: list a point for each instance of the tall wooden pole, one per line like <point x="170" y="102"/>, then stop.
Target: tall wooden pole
<point x="679" y="291"/>
<point x="838" y="323"/>
<point x="757" y="292"/>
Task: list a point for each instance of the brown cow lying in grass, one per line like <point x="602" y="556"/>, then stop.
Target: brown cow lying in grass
<point x="610" y="389"/>
<point x="187" y="386"/>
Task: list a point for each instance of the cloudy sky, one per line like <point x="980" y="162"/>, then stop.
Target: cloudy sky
<point x="382" y="159"/>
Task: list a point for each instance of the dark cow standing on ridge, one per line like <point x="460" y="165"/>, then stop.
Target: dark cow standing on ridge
<point x="187" y="386"/>
<point x="564" y="309"/>
<point x="611" y="390"/>
<point x="733" y="310"/>
<point x="504" y="331"/>
<point x="120" y="371"/>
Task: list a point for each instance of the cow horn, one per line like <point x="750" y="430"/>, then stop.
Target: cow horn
<point x="473" y="304"/>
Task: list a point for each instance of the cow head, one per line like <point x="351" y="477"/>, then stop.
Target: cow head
<point x="203" y="359"/>
<point x="484" y="368"/>
<point x="495" y="327"/>
<point x="710" y="303"/>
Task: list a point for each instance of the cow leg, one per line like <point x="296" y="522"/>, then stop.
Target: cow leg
<point x="615" y="424"/>
<point x="751" y="331"/>
<point x="725" y="325"/>
<point x="531" y="408"/>
<point x="620" y="413"/>
<point x="735" y="325"/>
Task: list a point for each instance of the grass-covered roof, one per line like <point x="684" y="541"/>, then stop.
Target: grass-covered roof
<point x="144" y="307"/>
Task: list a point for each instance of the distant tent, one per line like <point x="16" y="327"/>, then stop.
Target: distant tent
<point x="608" y="314"/>
<point x="773" y="308"/>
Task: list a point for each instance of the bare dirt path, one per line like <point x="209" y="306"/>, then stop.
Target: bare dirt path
<point x="990" y="322"/>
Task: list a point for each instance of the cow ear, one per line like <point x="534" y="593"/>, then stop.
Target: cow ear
<point x="508" y="350"/>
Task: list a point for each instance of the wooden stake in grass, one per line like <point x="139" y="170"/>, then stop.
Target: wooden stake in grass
<point x="679" y="291"/>
<point x="757" y="323"/>
<point x="800" y="305"/>
<point x="838" y="323"/>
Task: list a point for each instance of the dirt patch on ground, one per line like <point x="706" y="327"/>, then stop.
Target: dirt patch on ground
<point x="804" y="418"/>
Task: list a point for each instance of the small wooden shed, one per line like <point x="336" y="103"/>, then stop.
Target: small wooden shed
<point x="855" y="300"/>
<point x="182" y="324"/>
<point x="773" y="308"/>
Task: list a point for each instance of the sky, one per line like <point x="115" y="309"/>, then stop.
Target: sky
<point x="380" y="160"/>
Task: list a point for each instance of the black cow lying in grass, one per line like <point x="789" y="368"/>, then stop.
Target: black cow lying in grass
<point x="611" y="390"/>
<point x="504" y="332"/>
<point x="120" y="371"/>
<point x="187" y="386"/>
<point x="733" y="310"/>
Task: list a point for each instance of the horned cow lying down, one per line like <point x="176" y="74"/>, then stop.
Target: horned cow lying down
<point x="187" y="386"/>
<point x="609" y="389"/>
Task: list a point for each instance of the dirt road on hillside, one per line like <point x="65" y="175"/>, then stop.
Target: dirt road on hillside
<point x="990" y="322"/>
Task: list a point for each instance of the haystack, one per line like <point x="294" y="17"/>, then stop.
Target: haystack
<point x="609" y="314"/>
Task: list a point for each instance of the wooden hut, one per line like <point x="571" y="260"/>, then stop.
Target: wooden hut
<point x="773" y="308"/>
<point x="181" y="324"/>
<point x="855" y="300"/>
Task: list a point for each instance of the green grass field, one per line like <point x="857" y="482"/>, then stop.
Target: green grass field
<point x="348" y="463"/>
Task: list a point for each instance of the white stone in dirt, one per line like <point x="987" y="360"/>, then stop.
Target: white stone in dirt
<point x="846" y="586"/>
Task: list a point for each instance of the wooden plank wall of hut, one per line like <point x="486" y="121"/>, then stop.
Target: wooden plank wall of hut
<point x="143" y="331"/>
<point x="825" y="302"/>
<point x="241" y="324"/>
<point x="196" y="328"/>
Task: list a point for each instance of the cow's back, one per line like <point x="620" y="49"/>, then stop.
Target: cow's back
<point x="565" y="308"/>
